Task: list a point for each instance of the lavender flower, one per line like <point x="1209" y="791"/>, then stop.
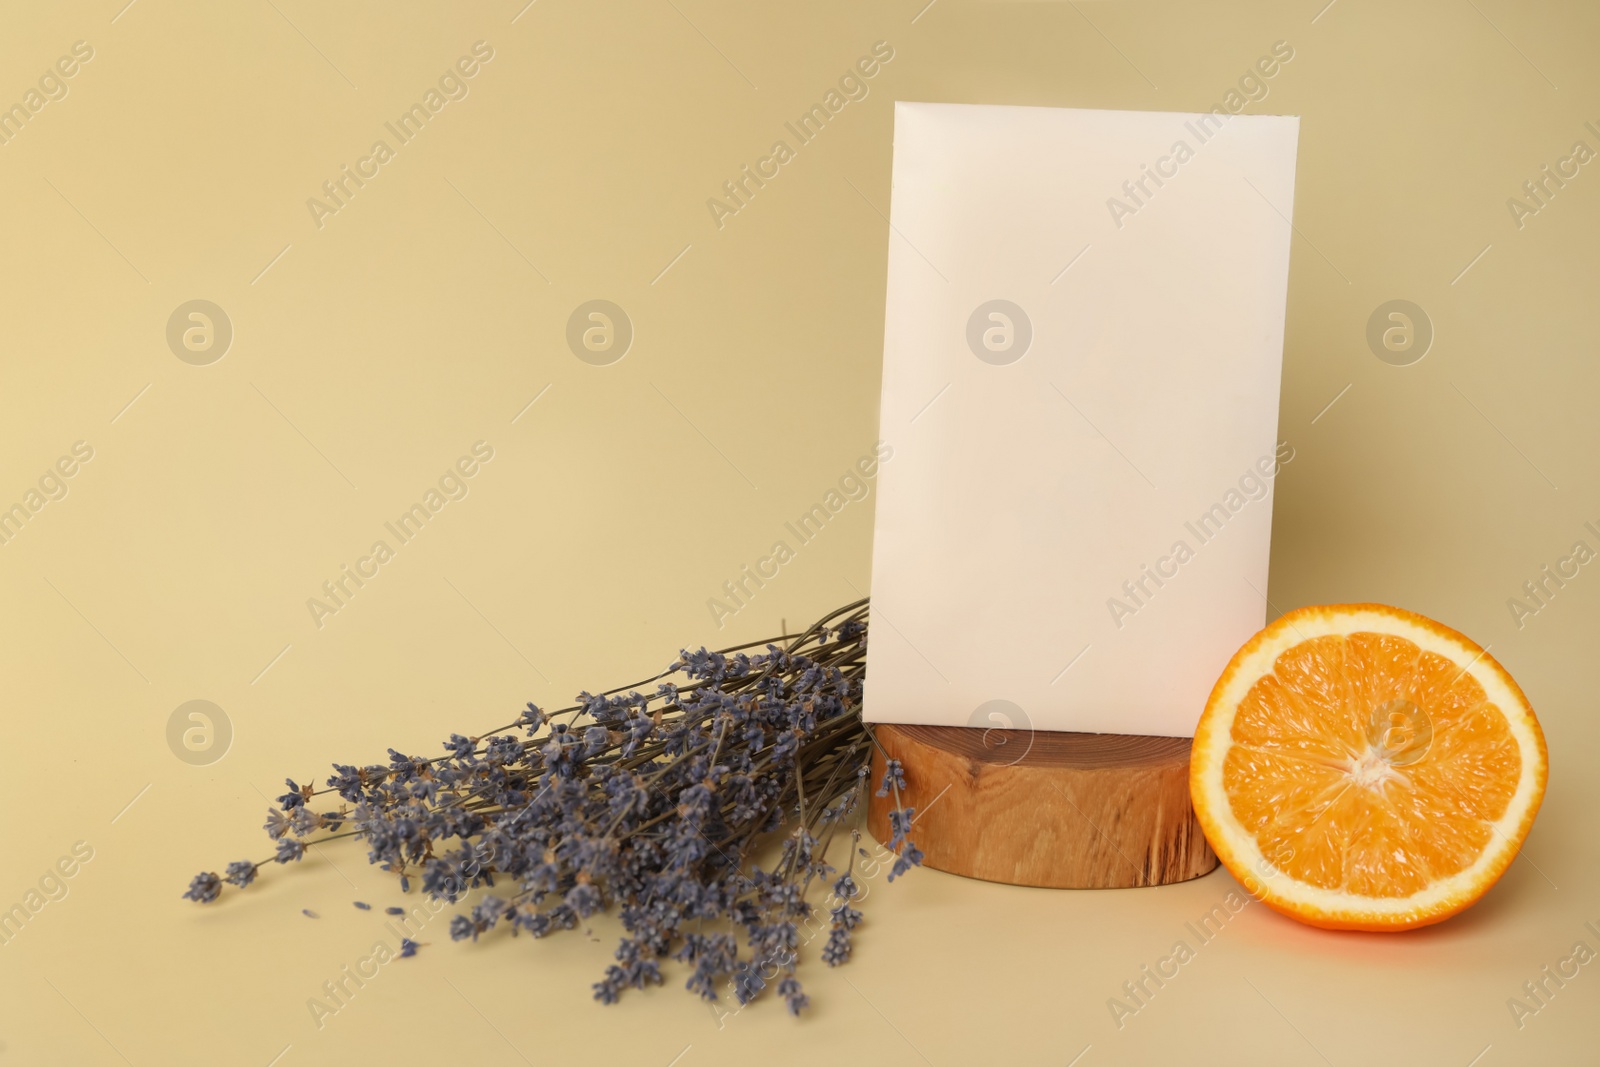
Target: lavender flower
<point x="747" y="983"/>
<point x="277" y="824"/>
<point x="241" y="873"/>
<point x="789" y="990"/>
<point x="294" y="798"/>
<point x="894" y="777"/>
<point x="584" y="899"/>
<point x="647" y="800"/>
<point x="347" y="781"/>
<point x="900" y="820"/>
<point x="837" y="950"/>
<point x="910" y="856"/>
<point x="304" y="821"/>
<point x="204" y="888"/>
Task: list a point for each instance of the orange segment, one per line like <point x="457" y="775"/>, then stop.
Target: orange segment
<point x="1363" y="767"/>
<point x="1270" y="717"/>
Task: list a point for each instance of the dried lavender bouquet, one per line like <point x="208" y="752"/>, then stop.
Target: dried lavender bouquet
<point x="656" y="805"/>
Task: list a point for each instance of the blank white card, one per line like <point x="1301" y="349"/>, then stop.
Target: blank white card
<point x="1082" y="351"/>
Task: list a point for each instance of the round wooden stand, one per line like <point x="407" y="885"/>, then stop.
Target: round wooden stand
<point x="1060" y="810"/>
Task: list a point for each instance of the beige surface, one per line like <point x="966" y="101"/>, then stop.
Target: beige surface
<point x="425" y="314"/>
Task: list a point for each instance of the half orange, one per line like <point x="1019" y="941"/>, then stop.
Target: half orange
<point x="1360" y="767"/>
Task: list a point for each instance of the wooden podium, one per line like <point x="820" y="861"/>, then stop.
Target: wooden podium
<point x="1042" y="808"/>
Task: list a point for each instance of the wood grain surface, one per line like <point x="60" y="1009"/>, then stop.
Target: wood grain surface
<point x="1044" y="808"/>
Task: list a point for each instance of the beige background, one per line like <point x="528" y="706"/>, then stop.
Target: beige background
<point x="370" y="353"/>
